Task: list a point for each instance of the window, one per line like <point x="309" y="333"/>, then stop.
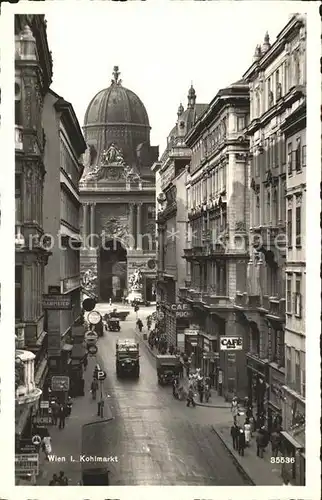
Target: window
<point x="268" y="206"/>
<point x="267" y="154"/>
<point x="297" y="372"/>
<point x="18" y="113"/>
<point x="288" y="365"/>
<point x="18" y="292"/>
<point x="275" y="208"/>
<point x="18" y="199"/>
<point x="240" y="123"/>
<point x="298" y="240"/>
<point x="298" y="164"/>
<point x="256" y="159"/>
<point x="289" y="158"/>
<point x="289" y="294"/>
<point x="303" y="369"/>
<point x="298" y="297"/>
<point x="303" y="156"/>
<point x="289" y="228"/>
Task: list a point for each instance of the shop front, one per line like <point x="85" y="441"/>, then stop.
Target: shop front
<point x="293" y="444"/>
<point x="258" y="383"/>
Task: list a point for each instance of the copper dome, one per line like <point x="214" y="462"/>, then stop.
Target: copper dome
<point x="116" y="105"/>
<point x="116" y="115"/>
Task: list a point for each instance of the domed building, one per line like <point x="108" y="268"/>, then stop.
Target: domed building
<point x="117" y="194"/>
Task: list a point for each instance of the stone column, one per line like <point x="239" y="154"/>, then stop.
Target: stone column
<point x="92" y="225"/>
<point x="131" y="226"/>
<point x="139" y="227"/>
<point x="85" y="220"/>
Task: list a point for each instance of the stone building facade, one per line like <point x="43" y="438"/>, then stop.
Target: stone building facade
<point x="172" y="224"/>
<point x="277" y="81"/>
<point x="118" y="195"/>
<point x="64" y="142"/>
<point x="293" y="406"/>
<point x="33" y="75"/>
<point x="217" y="239"/>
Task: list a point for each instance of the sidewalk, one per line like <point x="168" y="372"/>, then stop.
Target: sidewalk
<point x="259" y="470"/>
<point x="66" y="443"/>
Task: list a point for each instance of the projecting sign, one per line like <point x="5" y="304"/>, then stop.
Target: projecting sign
<point x="91" y="337"/>
<point x="51" y="301"/>
<point x="60" y="383"/>
<point x="92" y="349"/>
<point x="182" y="310"/>
<point x="94" y="317"/>
<point x="231" y="343"/>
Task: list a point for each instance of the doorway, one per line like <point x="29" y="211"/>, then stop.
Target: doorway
<point x="112" y="271"/>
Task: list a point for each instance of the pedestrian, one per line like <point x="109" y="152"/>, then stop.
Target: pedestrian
<point x="62" y="416"/>
<point x="241" y="442"/>
<point x="110" y="301"/>
<point x="82" y="386"/>
<point x="69" y="406"/>
<point x="207" y="390"/>
<point x="139" y="324"/>
<point x="201" y="390"/>
<point x="175" y="386"/>
<point x="247" y="430"/>
<point x="234" y="432"/>
<point x="46" y="444"/>
<point x="55" y="411"/>
<point x="94" y="388"/>
<point x="85" y="362"/>
<point x="190" y="397"/>
<point x="260" y="442"/>
<point x="54" y="481"/>
<point x="234" y="408"/>
<point x="62" y="479"/>
<point x="275" y="443"/>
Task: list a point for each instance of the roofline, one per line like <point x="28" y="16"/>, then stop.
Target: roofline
<point x="224" y="96"/>
<point x="276" y="48"/>
<point x="70" y="121"/>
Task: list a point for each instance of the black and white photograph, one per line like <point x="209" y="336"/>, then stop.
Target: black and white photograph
<point x="165" y="162"/>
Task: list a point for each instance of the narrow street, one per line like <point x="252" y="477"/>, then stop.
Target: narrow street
<point x="156" y="439"/>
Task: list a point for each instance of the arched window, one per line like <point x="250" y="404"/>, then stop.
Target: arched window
<point x="257" y="211"/>
<point x="275" y="208"/>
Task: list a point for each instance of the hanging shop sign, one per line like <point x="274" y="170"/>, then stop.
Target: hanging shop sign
<point x="231" y="343"/>
<point x="190" y="331"/>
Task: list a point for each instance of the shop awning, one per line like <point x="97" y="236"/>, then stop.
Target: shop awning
<point x="296" y="444"/>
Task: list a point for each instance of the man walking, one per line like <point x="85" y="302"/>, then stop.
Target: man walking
<point x="261" y="442"/>
<point x="62" y="416"/>
<point x="190" y="400"/>
<point x="234" y="432"/>
<point x="241" y="442"/>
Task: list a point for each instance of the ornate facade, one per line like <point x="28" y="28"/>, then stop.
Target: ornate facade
<point x="277" y="81"/>
<point x="216" y="246"/>
<point x="172" y="222"/>
<point x="118" y="194"/>
<point x="33" y="74"/>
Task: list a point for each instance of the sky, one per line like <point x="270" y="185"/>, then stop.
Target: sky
<point x="160" y="48"/>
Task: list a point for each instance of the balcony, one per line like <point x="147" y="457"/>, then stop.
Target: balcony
<point x="276" y="308"/>
<point x="217" y="301"/>
<point x="18" y="138"/>
<point x="26" y="391"/>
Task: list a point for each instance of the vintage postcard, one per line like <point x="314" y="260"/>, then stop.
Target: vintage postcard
<point x="160" y="285"/>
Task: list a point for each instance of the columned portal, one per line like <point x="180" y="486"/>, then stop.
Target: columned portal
<point x="112" y="271"/>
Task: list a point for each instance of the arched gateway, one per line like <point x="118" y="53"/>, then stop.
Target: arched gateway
<point x="118" y="194"/>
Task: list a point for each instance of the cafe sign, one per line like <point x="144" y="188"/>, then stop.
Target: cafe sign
<point x="231" y="343"/>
